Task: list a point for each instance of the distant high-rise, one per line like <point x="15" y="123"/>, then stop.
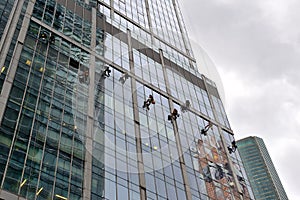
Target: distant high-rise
<point x="260" y="170"/>
<point x="87" y="91"/>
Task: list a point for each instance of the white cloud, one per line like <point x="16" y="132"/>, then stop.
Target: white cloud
<point x="256" y="47"/>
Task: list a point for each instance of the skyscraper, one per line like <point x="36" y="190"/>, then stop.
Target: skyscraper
<point x="259" y="167"/>
<point x="89" y="94"/>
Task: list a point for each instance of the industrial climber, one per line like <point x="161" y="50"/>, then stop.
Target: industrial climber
<point x="106" y="72"/>
<point x="173" y="115"/>
<point x="233" y="147"/>
<point x="124" y="77"/>
<point x="148" y="102"/>
<point x="186" y="106"/>
<point x="206" y="128"/>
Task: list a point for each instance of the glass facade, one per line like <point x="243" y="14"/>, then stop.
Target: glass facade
<point x="260" y="169"/>
<point x="74" y="78"/>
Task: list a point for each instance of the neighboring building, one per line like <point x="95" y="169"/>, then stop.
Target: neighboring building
<point x="74" y="78"/>
<point x="260" y="169"/>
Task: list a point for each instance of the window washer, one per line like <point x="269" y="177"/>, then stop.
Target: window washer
<point x="206" y="128"/>
<point x="233" y="147"/>
<point x="186" y="106"/>
<point x="124" y="77"/>
<point x="148" y="102"/>
<point x="173" y="115"/>
<point x="106" y="72"/>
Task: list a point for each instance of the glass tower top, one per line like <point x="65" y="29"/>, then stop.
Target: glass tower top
<point x="260" y="169"/>
<point x="89" y="94"/>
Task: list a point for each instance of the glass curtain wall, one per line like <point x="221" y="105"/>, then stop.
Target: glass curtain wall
<point x="75" y="124"/>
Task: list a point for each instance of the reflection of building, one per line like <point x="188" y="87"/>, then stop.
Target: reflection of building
<point x="217" y="172"/>
<point x="259" y="167"/>
<point x="69" y="131"/>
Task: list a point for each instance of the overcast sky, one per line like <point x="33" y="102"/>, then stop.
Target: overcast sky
<point x="255" y="46"/>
